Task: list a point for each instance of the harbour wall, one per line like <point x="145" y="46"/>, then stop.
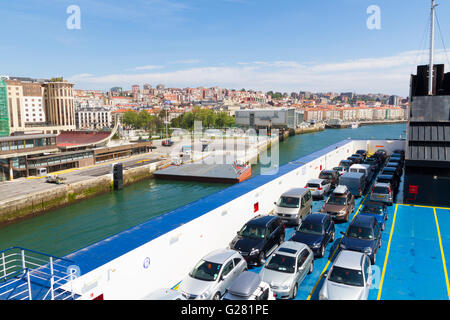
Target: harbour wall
<point x="163" y="260"/>
<point x="39" y="202"/>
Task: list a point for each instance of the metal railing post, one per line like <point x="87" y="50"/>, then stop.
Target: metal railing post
<point x="51" y="279"/>
<point x="29" y="285"/>
<point x="23" y="259"/>
<point x="4" y="264"/>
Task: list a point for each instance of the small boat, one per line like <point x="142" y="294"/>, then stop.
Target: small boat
<point x="355" y="125"/>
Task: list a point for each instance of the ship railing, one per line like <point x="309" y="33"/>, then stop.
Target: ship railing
<point x="22" y="269"/>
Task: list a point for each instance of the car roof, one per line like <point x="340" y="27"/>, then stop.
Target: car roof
<point x="352" y="175"/>
<point x="327" y="171"/>
<point x="219" y="255"/>
<point x="261" y="220"/>
<point x="385" y="176"/>
<point x="315" y="180"/>
<point x="349" y="259"/>
<point x="375" y="203"/>
<point x="362" y="221"/>
<point x="345" y="161"/>
<point x="290" y="245"/>
<point x="382" y="184"/>
<point x="245" y="284"/>
<point x="360" y="166"/>
<point x="340" y="189"/>
<point x="295" y="192"/>
<point x="315" y="217"/>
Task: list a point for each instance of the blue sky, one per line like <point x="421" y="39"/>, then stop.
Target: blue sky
<point x="283" y="45"/>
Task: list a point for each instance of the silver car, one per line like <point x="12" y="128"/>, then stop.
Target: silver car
<point x="249" y="286"/>
<point x="212" y="275"/>
<point x="350" y="277"/>
<point x="382" y="192"/>
<point x="319" y="187"/>
<point x="287" y="267"/>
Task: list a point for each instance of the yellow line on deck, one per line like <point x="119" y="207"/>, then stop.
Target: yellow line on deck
<point x="442" y="253"/>
<point x="387" y="253"/>
<point x="421" y="206"/>
<point x="334" y="252"/>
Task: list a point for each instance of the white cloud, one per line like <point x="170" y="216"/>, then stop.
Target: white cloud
<point x="150" y="67"/>
<point x="390" y="75"/>
<point x="189" y="61"/>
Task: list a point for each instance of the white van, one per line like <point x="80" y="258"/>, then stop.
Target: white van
<point x="362" y="168"/>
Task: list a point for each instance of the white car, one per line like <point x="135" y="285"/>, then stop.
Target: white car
<point x="350" y="277"/>
<point x="249" y="286"/>
<point x="212" y="275"/>
<point x="319" y="187"/>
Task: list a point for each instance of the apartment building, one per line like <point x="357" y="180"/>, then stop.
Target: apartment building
<point x="94" y="119"/>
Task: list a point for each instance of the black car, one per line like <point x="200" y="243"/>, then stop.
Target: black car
<point x="355" y="159"/>
<point x="316" y="231"/>
<point x="345" y="164"/>
<point x="359" y="156"/>
<point x="397" y="159"/>
<point x="381" y="155"/>
<point x="362" y="152"/>
<point x="363" y="235"/>
<point x="393" y="168"/>
<point x="373" y="163"/>
<point x="388" y="178"/>
<point x="391" y="171"/>
<point x="330" y="175"/>
<point x="257" y="237"/>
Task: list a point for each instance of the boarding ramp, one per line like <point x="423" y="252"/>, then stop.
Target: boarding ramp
<point x="30" y="275"/>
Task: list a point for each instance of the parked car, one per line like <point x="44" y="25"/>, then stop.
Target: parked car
<point x="392" y="171"/>
<point x="355" y="182"/>
<point x="381" y="154"/>
<point x="349" y="278"/>
<point x="287" y="268"/>
<point x="397" y="154"/>
<point x="355" y="159"/>
<point x="341" y="170"/>
<point x="373" y="161"/>
<point x="212" y="275"/>
<point x="249" y="286"/>
<point x="382" y="192"/>
<point x="346" y="164"/>
<point x="318" y="187"/>
<point x="340" y="204"/>
<point x="331" y="175"/>
<point x="363" y="153"/>
<point x="388" y="178"/>
<point x="258" y="238"/>
<point x="316" y="231"/>
<point x="164" y="294"/>
<point x="363" y="235"/>
<point x="359" y="156"/>
<point x="376" y="209"/>
<point x="365" y="169"/>
<point x="293" y="205"/>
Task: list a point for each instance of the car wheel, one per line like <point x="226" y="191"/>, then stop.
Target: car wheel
<point x="294" y="291"/>
<point x="311" y="267"/>
<point x="216" y="296"/>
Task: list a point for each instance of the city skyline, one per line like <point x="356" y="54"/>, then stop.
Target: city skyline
<point x="289" y="47"/>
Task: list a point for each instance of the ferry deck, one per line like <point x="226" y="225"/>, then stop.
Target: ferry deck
<point x="411" y="263"/>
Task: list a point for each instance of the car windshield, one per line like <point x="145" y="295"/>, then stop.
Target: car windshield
<point x="346" y="276"/>
<point x="324" y="175"/>
<point x="372" y="208"/>
<point x="338" y="168"/>
<point x="381" y="190"/>
<point x="359" y="233"/>
<point x="338" y="201"/>
<point x="281" y="263"/>
<point x="312" y="228"/>
<point x="254" y="232"/>
<point x="288" y="202"/>
<point x="206" y="271"/>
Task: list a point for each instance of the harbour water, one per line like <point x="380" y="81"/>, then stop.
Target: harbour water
<point x="68" y="229"/>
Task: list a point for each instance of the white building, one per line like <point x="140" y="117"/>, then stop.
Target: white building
<point x="34" y="109"/>
<point x="93" y="118"/>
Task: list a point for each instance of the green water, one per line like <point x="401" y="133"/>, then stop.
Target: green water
<point x="68" y="229"/>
